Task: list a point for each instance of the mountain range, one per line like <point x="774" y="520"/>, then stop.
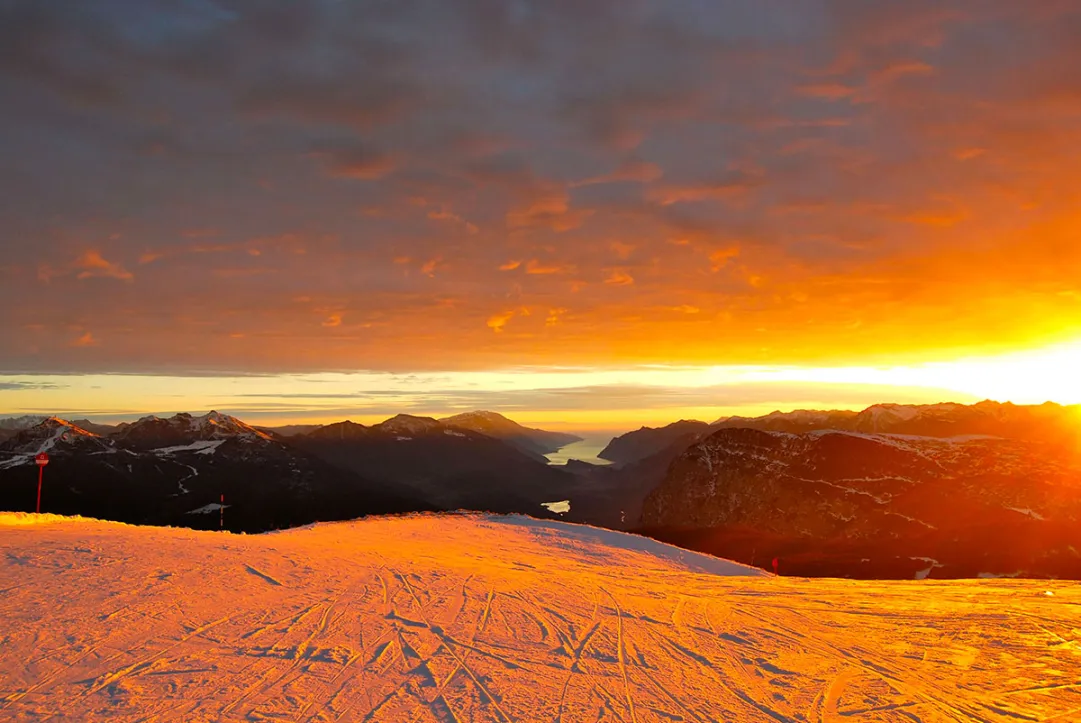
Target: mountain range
<point x="175" y="472"/>
<point x="852" y="504"/>
<point x="1003" y="456"/>
<point x="1045" y="422"/>
<point x="891" y="491"/>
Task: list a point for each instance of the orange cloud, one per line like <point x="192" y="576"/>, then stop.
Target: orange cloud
<point x="537" y="268"/>
<point x="914" y="187"/>
<point x="666" y="195"/>
<point x="428" y="269"/>
<point x="720" y="258"/>
<point x="554" y="315"/>
<point x="551" y="210"/>
<point x="901" y="68"/>
<point x="85" y="340"/>
<point x="444" y="215"/>
<point x="498" y="321"/>
<point x="618" y="277"/>
<point x="94" y="265"/>
<point x="333" y="320"/>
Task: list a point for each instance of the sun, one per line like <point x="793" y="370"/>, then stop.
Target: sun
<point x="1028" y="377"/>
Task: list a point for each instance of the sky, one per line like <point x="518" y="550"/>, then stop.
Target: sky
<point x="583" y="214"/>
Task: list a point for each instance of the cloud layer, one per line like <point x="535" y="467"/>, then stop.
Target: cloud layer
<point x="268" y="186"/>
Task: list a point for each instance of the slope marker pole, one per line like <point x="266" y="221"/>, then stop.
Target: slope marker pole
<point x="221" y="514"/>
<point x="40" y="460"/>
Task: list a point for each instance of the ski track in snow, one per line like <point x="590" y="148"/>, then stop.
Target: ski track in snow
<point x="472" y="618"/>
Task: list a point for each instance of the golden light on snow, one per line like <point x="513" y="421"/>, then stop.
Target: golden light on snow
<point x="471" y="618"/>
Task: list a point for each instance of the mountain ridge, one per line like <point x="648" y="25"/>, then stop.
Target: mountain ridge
<point x="936" y="420"/>
<point x="528" y="439"/>
<point x="956" y="501"/>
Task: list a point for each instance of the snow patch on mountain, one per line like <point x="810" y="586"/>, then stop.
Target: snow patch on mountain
<point x="206" y="446"/>
<point x="1027" y="512"/>
<point x="207" y="509"/>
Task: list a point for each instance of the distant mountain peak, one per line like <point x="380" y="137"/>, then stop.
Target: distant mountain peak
<point x="408" y="424"/>
<point x="337" y="430"/>
<point x="185" y="428"/>
<point x="493" y="424"/>
<point x="23" y="422"/>
<point x="480" y="414"/>
<point x="51" y="435"/>
<point x="54" y="423"/>
<point x="480" y="420"/>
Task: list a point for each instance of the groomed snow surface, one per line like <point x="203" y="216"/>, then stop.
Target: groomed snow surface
<point x="481" y="618"/>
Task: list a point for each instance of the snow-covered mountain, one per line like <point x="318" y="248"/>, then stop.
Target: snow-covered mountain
<point x="494" y="619"/>
<point x="642" y="457"/>
<point x="16" y="424"/>
<point x="53" y="436"/>
<point x="1002" y="505"/>
<point x="184" y="429"/>
<point x="527" y="439"/>
<point x="407" y="424"/>
<point x="175" y="471"/>
<point x="1045" y="422"/>
<point x="10" y="426"/>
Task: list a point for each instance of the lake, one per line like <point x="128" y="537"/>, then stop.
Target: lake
<point x="585" y="451"/>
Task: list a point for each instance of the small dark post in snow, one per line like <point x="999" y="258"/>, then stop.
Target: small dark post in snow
<point x="221" y="514"/>
<point x="41" y="460"/>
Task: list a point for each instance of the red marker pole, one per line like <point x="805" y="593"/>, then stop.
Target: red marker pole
<point x="40" y="460"/>
<point x="221" y="514"/>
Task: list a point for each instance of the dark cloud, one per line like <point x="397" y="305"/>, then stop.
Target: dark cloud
<point x="22" y="386"/>
<point x="585" y="398"/>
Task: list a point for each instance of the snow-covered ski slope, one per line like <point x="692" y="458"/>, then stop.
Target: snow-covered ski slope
<point x="478" y="618"/>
